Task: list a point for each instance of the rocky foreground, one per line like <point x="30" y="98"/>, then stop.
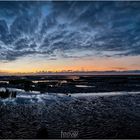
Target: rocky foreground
<point x="91" y="116"/>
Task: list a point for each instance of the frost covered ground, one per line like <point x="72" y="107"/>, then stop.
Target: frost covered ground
<point x="94" y="115"/>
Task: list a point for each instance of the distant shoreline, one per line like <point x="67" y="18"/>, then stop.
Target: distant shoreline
<point x="73" y="74"/>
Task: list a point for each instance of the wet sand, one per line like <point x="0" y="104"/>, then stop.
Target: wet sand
<point x="92" y="116"/>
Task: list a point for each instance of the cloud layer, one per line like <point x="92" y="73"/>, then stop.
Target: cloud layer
<point x="69" y="29"/>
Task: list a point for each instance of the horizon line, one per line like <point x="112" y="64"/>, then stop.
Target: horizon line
<point x="108" y="72"/>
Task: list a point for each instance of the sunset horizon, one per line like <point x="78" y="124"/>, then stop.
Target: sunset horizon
<point x="71" y="72"/>
<point x="105" y="64"/>
<point x="50" y="36"/>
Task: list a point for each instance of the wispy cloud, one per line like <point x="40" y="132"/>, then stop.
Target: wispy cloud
<point x="47" y="28"/>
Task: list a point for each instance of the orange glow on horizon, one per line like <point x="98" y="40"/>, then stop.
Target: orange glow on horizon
<point x="95" y="64"/>
<point x="67" y="69"/>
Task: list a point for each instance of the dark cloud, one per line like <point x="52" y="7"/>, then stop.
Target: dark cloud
<point x="58" y="28"/>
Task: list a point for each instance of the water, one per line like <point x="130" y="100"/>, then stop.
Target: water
<point x="7" y="82"/>
<point x="35" y="95"/>
<point x="84" y="86"/>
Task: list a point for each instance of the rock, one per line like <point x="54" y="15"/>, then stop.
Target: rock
<point x="42" y="133"/>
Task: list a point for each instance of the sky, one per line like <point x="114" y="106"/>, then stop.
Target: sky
<point x="69" y="35"/>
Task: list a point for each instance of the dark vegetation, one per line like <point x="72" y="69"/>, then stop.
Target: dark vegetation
<point x="74" y="84"/>
<point x="22" y="83"/>
<point x="7" y="94"/>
